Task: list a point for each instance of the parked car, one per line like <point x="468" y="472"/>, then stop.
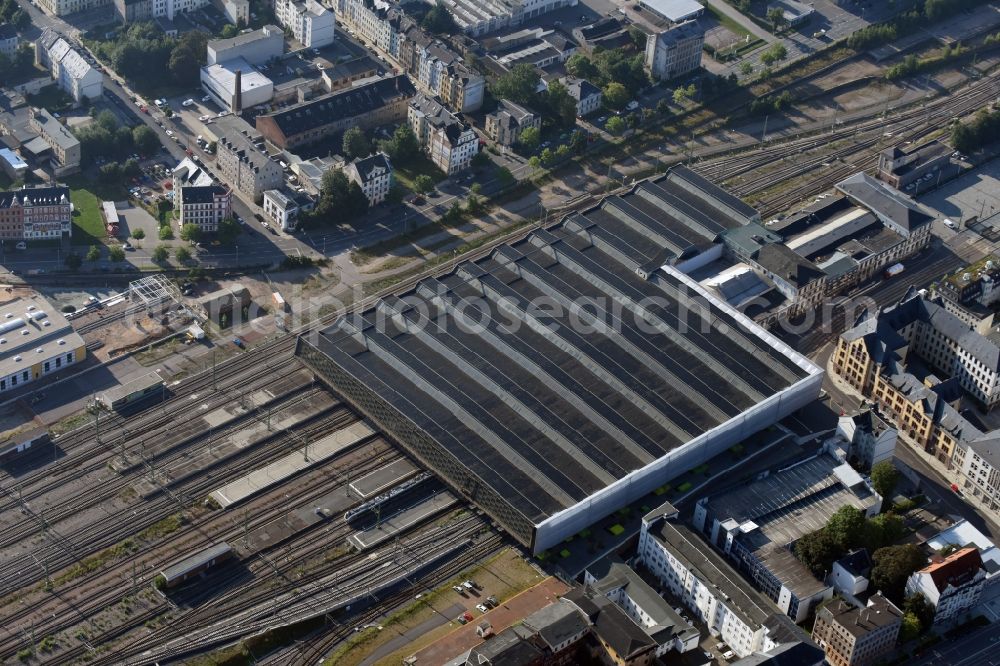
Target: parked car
<point x="187" y="102"/>
<point x="458" y="588"/>
<point x="948" y="223"/>
<point x="239" y="343"/>
<point x="461" y="619"/>
<point x="482" y="609"/>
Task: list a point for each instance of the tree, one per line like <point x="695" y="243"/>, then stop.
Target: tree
<point x="562" y="152"/>
<point x="73" y="261"/>
<point x="883" y="530"/>
<point x="530" y="138"/>
<point x="166" y="233"/>
<point x="94" y="253"/>
<point x="423" y="183"/>
<point x="228" y="231"/>
<point x="190" y="232"/>
<point x="680" y="94"/>
<point x="561" y="104"/>
<point x="580" y="66"/>
<point x="773" y="54"/>
<point x="160" y="254"/>
<point x="746" y="68"/>
<point x="919" y="607"/>
<point x="340" y="199"/>
<point x="229" y="31"/>
<point x="439" y="20"/>
<point x="519" y="85"/>
<point x="145" y="140"/>
<point x="355" y="143"/>
<point x="846" y="527"/>
<point x="578" y="142"/>
<point x="663" y="108"/>
<point x="885" y="476"/>
<point x="637" y="36"/>
<point x="615" y="126"/>
<point x="21" y="20"/>
<point x="546" y="156"/>
<point x="116" y="253"/>
<point x="818" y="551"/>
<point x="892" y="565"/>
<point x="505" y="177"/>
<point x="187" y="57"/>
<point x="776" y="17"/>
<point x="481" y="160"/>
<point x="535" y="162"/>
<point x="910" y="630"/>
<point x="131" y="168"/>
<point x="111" y="172"/>
<point x="138" y="234"/>
<point x="402" y="146"/>
<point x="182" y="254"/>
<point x="615" y="96"/>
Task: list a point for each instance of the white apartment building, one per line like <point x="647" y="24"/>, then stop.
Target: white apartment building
<point x="731" y="609"/>
<point x="978" y="463"/>
<point x="204" y="206"/>
<point x="450" y="143"/>
<point x="952" y="584"/>
<point x="311" y="23"/>
<point x="281" y="209"/>
<point x="65" y="146"/>
<point x="675" y="51"/>
<point x="9" y="41"/>
<point x="72" y="72"/>
<point x="374" y="175"/>
<point x="588" y="96"/>
<point x="64" y="7"/>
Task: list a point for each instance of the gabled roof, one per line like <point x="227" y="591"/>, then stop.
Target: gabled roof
<point x="373" y="166"/>
<point x="987" y="446"/>
<point x="857" y="563"/>
<point x="580" y="88"/>
<point x="885" y="201"/>
<point x="956" y="569"/>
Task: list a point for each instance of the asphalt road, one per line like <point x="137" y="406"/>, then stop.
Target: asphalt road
<point x="977" y="648"/>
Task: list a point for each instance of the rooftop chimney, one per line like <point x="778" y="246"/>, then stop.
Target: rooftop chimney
<point x="238" y="97"/>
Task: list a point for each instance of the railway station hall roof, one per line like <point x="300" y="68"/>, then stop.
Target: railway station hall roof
<point x="558" y="366"/>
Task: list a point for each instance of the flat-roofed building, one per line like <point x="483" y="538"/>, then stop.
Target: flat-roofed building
<point x="281" y="209"/>
<point x="675" y="51"/>
<point x="36" y="340"/>
<point x="255" y="46"/>
<point x="219" y="80"/>
<point x="852" y="636"/>
<point x="204" y="206"/>
<point x="901" y="168"/>
<point x="756" y="526"/>
<point x="368" y="104"/>
<point x="548" y="427"/>
<point x="12" y="163"/>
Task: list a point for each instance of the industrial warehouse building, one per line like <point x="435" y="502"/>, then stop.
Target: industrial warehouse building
<point x="36" y="340"/>
<point x="573" y="371"/>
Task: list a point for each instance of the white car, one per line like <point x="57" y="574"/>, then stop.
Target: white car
<point x="951" y="225"/>
<point x="169" y="132"/>
<point x="481" y="608"/>
<point x="187" y="102"/>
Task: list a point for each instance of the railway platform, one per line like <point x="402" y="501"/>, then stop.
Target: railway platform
<point x="399" y="523"/>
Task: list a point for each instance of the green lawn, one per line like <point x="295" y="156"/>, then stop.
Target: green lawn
<point x="406" y="172"/>
<point x="87" y="221"/>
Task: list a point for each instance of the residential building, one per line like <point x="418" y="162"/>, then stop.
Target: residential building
<point x="189" y="174"/>
<point x="588" y="96"/>
<point x="964" y="534"/>
<point x="849" y="575"/>
<point x="434" y="67"/>
<point x="9" y="41"/>
<point x="978" y="463"/>
<point x="74" y="75"/>
<point x="971" y="293"/>
<point x="64" y="7"/>
<point x="378" y="102"/>
<point x="450" y="143"/>
<point x="870" y="438"/>
<point x="675" y="51"/>
<point x="36" y="212"/>
<point x="236" y="85"/>
<point x="756" y="525"/>
<point x="311" y="23"/>
<point x="133" y="11"/>
<point x="236" y="12"/>
<point x="853" y="636"/>
<point x="928" y="161"/>
<point x="919" y="326"/>
<point x="242" y="161"/>
<point x="203" y="206"/>
<point x="281" y="209"/>
<point x="36" y="341"/>
<point x="504" y="126"/>
<point x="130" y="11"/>
<point x="647" y="609"/>
<point x="707" y="584"/>
<point x="374" y="175"/>
<point x="952" y="584"/>
<point x="65" y="147"/>
<point x="255" y="46"/>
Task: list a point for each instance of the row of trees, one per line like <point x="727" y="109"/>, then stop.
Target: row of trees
<point x="106" y="138"/>
<point x="340" y="200"/>
<point x="400" y="147"/>
<point x="520" y="85"/>
<point x="846" y="530"/>
<point x="622" y="65"/>
<point x="923" y="12"/>
<point x="911" y="64"/>
<point x="982" y="130"/>
<point x="145" y="55"/>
